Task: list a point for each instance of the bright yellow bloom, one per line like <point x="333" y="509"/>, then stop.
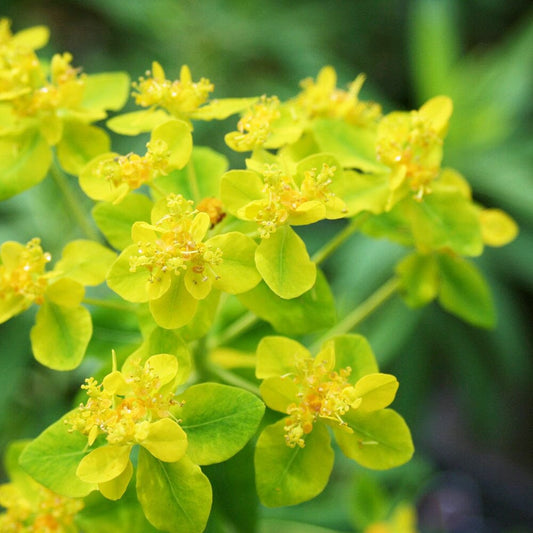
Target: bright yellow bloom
<point x="23" y="279"/>
<point x="322" y="99"/>
<point x="322" y="393"/>
<point x="128" y="409"/>
<point x="180" y="97"/>
<point x="255" y="126"/>
<point x="410" y="143"/>
<point x="32" y="508"/>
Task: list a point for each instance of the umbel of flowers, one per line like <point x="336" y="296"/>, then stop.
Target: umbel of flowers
<point x="198" y="253"/>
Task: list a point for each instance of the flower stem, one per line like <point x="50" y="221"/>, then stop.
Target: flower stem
<point x="238" y="327"/>
<point x="233" y="379"/>
<point x="361" y="312"/>
<point x="330" y="247"/>
<point x="118" y="305"/>
<point x="73" y="202"/>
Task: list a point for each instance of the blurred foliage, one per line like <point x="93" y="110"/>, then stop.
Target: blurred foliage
<point x="464" y="392"/>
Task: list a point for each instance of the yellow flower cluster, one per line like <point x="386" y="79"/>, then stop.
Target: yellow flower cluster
<point x="43" y="512"/>
<point x="22" y="272"/>
<point x="135" y="170"/>
<point x="179" y="97"/>
<point x="283" y="197"/>
<point x="322" y="98"/>
<point x="177" y="244"/>
<point x="122" y="407"/>
<point x="323" y="393"/>
<point x="254" y="127"/>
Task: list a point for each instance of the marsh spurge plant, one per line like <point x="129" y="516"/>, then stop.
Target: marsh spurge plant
<point x="200" y="254"/>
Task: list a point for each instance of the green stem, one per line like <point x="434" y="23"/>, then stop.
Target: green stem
<point x="118" y="305"/>
<point x="233" y="379"/>
<point x="193" y="182"/>
<point x="361" y="312"/>
<point x="73" y="202"/>
<point x="233" y="331"/>
<point x="331" y="246"/>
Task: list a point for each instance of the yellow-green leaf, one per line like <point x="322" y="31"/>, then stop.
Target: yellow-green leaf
<point x="219" y="420"/>
<point x="86" y="262"/>
<point x="175" y="497"/>
<point x="288" y="476"/>
<point x="166" y="440"/>
<point x="284" y="264"/>
<point x="60" y="335"/>
<point x="380" y="439"/>
<point x="277" y="356"/>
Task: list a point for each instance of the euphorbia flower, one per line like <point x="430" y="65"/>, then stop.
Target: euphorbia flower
<point x="341" y="389"/>
<point x="410" y="143"/>
<point x="322" y="99"/>
<point x="273" y="195"/>
<point x="128" y="409"/>
<point x="172" y="264"/>
<point x="63" y="326"/>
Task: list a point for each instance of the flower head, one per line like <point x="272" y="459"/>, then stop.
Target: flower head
<point x="322" y="99"/>
<point x="180" y="97"/>
<point x="128" y="408"/>
<point x="410" y="143"/>
<point x="23" y="279"/>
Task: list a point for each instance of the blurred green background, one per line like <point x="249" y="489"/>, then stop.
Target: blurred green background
<point x="465" y="392"/>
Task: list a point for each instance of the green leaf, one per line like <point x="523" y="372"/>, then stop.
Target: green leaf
<point x="177" y="136"/>
<point x="240" y="187"/>
<point x="370" y="503"/>
<point x="115" y="221"/>
<point x="176" y="307"/>
<point x="175" y="497"/>
<point x="104" y="464"/>
<point x="53" y="457"/>
<point x="380" y="439"/>
<point x="24" y="162"/>
<point x="355" y="352"/>
<point x="219" y="420"/>
<point x="162" y="340"/>
<point x="419" y="279"/>
<point x="220" y="109"/>
<point x="313" y="310"/>
<point x="79" y="144"/>
<point x="132" y="286"/>
<point x="86" y="262"/>
<point x="288" y="476"/>
<point x="199" y="179"/>
<point x="65" y="292"/>
<point x="364" y="192"/>
<point x="277" y="356"/>
<point x="284" y="264"/>
<point x="106" y="90"/>
<point x="203" y="318"/>
<point x="353" y="146"/>
<point x="446" y="220"/>
<point x="137" y="121"/>
<point x="237" y="272"/>
<point x="60" y="335"/>
<point x="464" y="292"/>
<point x="101" y="515"/>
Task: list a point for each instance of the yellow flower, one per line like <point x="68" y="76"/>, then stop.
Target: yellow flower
<point x="32" y="508"/>
<point x="180" y="97"/>
<point x="255" y="126"/>
<point x="410" y="143"/>
<point x="322" y="99"/>
<point x="128" y="409"/>
<point x="23" y="279"/>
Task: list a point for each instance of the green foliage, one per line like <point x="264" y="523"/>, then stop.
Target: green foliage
<point x="180" y="233"/>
